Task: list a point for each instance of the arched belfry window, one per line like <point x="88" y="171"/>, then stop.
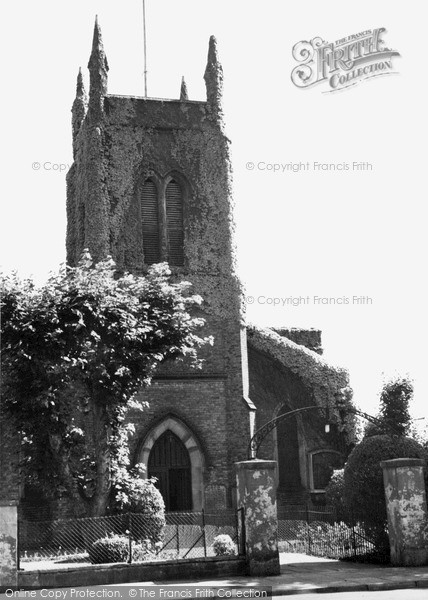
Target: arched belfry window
<point x="150" y="223"/>
<point x="162" y="222"/>
<point x="169" y="462"/>
<point x="174" y="221"/>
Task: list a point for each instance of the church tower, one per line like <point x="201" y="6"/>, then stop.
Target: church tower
<point x="151" y="182"/>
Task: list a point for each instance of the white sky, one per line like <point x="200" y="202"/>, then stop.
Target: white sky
<point x="306" y="233"/>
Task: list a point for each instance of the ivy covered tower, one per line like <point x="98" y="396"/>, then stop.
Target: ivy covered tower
<point x="151" y="182"/>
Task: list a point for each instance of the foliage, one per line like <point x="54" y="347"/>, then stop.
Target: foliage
<point x="346" y="420"/>
<point x="335" y="494"/>
<point x="145" y="550"/>
<point x="135" y="494"/>
<point x="223" y="545"/>
<point x="315" y="371"/>
<point x="394" y="404"/>
<point x="115" y="548"/>
<point x="335" y="539"/>
<point x="110" y="549"/>
<point x="361" y="490"/>
<point x="394" y="416"/>
<point x="75" y="352"/>
<point x="363" y="481"/>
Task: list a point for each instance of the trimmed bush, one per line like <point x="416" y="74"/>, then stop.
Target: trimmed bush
<point x="364" y="490"/>
<point x="150" y="502"/>
<point x="115" y="548"/>
<point x="224" y="546"/>
<point x="111" y="549"/>
<point x="144" y="498"/>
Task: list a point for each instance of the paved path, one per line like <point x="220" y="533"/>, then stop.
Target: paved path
<point x="301" y="573"/>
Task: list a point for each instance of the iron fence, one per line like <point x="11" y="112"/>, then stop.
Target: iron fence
<point x="319" y="532"/>
<point x="131" y="537"/>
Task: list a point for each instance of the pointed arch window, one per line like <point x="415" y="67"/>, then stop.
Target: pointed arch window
<point x="174" y="223"/>
<point x="322" y="464"/>
<point x="162" y="222"/>
<point x="150" y="222"/>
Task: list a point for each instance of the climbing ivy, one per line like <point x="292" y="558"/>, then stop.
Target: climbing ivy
<point x="75" y="352"/>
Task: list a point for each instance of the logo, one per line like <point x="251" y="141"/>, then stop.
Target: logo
<point x="343" y="63"/>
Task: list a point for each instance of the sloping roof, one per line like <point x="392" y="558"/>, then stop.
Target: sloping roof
<point x="328" y="382"/>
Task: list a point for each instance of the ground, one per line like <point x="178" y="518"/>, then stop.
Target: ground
<point x="385" y="595"/>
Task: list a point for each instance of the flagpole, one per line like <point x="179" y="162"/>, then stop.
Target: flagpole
<point x="145" y="49"/>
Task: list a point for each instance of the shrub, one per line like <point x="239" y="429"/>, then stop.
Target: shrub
<point x="394" y="417"/>
<point x="394" y="404"/>
<point x="115" y="548"/>
<point x="145" y="550"/>
<point x="110" y="549"/>
<point x="224" y="546"/>
<point x="141" y="496"/>
<point x="363" y="479"/>
<point x="335" y="494"/>
<point x="150" y="502"/>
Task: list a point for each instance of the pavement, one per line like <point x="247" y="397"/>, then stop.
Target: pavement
<point x="301" y="574"/>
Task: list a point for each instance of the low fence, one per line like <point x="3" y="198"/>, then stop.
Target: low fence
<point x="319" y="532"/>
<point x="131" y="537"/>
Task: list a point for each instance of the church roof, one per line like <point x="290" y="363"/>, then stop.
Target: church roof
<point x="328" y="382"/>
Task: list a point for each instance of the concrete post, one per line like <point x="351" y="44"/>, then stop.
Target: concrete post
<point x="256" y="489"/>
<point x="406" y="508"/>
<point x="8" y="545"/>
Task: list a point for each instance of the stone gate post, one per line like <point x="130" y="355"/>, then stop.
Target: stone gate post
<point x="8" y="545"/>
<point x="256" y="490"/>
<point x="406" y="508"/>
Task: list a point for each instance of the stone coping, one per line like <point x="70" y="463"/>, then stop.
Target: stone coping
<point x="256" y="464"/>
<point x="402" y="462"/>
<point x="106" y="566"/>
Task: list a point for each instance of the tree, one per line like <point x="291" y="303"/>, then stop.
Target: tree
<point x="75" y="352"/>
<point x="393" y="415"/>
<point x="360" y="489"/>
<point x="395" y="400"/>
<point x="363" y="492"/>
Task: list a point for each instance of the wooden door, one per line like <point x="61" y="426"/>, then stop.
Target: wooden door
<point x="169" y="462"/>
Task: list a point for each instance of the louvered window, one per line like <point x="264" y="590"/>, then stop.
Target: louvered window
<point x="174" y="220"/>
<point x="150" y="222"/>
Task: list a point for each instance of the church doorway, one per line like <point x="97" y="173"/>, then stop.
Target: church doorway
<point x="185" y="471"/>
<point x="169" y="462"/>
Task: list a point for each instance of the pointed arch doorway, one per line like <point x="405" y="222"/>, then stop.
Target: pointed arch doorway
<point x="169" y="462"/>
<point x="177" y="461"/>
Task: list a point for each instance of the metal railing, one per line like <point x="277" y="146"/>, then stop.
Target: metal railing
<point x="320" y="532"/>
<point x="131" y="537"/>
